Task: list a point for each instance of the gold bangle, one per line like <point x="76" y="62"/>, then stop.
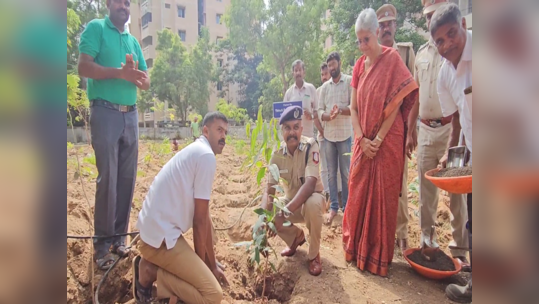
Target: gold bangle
<point x="379" y="138"/>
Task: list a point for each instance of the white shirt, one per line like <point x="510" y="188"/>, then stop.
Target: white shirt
<point x="451" y="85"/>
<point x="169" y="207"/>
<point x="309" y="98"/>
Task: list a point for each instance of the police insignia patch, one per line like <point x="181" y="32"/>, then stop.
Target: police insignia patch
<point x="296" y="114"/>
<point x="316" y="157"/>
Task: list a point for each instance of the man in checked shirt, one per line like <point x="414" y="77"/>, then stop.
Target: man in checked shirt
<point x="334" y="110"/>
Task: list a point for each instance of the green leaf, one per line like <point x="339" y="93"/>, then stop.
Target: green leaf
<point x="272" y="227"/>
<point x="268" y="155"/>
<point x="273" y="267"/>
<point x="248" y="130"/>
<point x="259" y="223"/>
<point x="257" y="255"/>
<point x="260" y="211"/>
<point x="274" y="170"/>
<point x="261" y="174"/>
<point x="259" y="164"/>
<point x="278" y="188"/>
<point x="287" y="223"/>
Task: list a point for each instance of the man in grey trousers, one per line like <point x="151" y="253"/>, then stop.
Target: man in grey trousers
<point x="112" y="61"/>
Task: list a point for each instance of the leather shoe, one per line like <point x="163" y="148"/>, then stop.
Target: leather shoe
<point x="402" y="244"/>
<point x="290" y="251"/>
<point x="466" y="267"/>
<point x="315" y="266"/>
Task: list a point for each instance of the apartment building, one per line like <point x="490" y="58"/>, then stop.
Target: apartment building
<point x="184" y="17"/>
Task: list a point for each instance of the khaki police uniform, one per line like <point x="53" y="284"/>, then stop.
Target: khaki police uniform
<point x="294" y="169"/>
<point x="406" y="51"/>
<point x="432" y="144"/>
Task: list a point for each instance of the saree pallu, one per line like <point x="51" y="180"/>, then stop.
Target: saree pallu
<point x="370" y="219"/>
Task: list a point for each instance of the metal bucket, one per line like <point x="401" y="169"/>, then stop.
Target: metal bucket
<point x="457" y="156"/>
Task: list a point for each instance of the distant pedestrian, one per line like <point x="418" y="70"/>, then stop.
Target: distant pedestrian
<point x="113" y="62"/>
<point x="195" y="128"/>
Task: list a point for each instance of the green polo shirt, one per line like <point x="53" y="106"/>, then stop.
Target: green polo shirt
<point x="102" y="40"/>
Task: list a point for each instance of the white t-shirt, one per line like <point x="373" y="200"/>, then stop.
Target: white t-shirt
<point x="451" y="85"/>
<point x="169" y="207"/>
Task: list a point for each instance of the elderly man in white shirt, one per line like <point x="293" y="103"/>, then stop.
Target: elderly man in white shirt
<point x="454" y="43"/>
<point x="306" y="93"/>
<point x="177" y="201"/>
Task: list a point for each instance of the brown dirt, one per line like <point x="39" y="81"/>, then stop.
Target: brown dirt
<point x="454" y="172"/>
<point x="442" y="262"/>
<point x="340" y="282"/>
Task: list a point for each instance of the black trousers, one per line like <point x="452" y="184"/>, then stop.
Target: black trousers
<point x="115" y="142"/>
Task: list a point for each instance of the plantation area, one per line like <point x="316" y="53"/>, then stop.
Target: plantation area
<point x="234" y="188"/>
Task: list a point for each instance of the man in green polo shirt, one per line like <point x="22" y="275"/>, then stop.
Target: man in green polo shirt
<point x="112" y="61"/>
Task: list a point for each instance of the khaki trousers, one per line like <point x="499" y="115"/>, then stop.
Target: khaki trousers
<point x="182" y="273"/>
<point x="402" y="213"/>
<point x="311" y="213"/>
<point x="432" y="144"/>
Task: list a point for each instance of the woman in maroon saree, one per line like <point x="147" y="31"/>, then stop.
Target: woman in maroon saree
<point x="383" y="95"/>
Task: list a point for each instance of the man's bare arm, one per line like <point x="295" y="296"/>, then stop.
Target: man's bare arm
<point x="267" y="198"/>
<point x="89" y="69"/>
<point x="202" y="229"/>
<point x="210" y="253"/>
<point x="455" y="131"/>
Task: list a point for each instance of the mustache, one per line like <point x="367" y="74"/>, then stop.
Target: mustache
<point x="122" y="10"/>
<point x="291" y="136"/>
<point x="222" y="141"/>
<point x="386" y="33"/>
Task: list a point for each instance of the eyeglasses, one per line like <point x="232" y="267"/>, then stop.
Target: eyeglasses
<point x="362" y="41"/>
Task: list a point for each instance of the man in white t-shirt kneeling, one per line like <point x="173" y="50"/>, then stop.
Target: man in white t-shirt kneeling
<point x="177" y="201"/>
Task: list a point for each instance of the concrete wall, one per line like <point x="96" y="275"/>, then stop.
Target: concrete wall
<point x="155" y="133"/>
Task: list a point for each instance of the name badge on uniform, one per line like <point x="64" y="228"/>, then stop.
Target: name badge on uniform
<point x="283" y="171"/>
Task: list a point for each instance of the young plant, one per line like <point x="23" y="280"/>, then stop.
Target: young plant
<point x="258" y="160"/>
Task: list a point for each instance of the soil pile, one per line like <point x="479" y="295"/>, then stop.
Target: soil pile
<point x="454" y="172"/>
<point x="442" y="261"/>
<point x="233" y="190"/>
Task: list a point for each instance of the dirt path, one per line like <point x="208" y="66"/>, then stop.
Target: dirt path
<point x="233" y="190"/>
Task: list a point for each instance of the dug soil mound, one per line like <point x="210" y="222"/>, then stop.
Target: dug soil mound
<point x="234" y="189"/>
<point x="442" y="262"/>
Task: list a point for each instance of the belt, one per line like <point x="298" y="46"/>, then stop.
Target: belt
<point x="436" y="123"/>
<point x="110" y="105"/>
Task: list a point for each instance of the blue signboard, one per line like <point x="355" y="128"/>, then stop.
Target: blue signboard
<point x="278" y="107"/>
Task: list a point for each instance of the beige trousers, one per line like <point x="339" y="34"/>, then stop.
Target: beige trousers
<point x="311" y="213"/>
<point x="402" y="213"/>
<point x="182" y="273"/>
<point x="432" y="144"/>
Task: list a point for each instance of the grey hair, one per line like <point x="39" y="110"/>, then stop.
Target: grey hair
<point x="447" y="13"/>
<point x="367" y="20"/>
<point x="296" y="62"/>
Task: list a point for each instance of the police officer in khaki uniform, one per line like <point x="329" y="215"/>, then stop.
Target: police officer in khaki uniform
<point x="298" y="160"/>
<point x="387" y="19"/>
<point x="434" y="132"/>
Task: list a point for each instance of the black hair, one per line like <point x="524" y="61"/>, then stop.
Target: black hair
<point x="323" y="66"/>
<point x="212" y="116"/>
<point x="447" y="13"/>
<point x="296" y="62"/>
<point x="333" y="55"/>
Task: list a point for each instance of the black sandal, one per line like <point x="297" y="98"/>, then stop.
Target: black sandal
<point x="141" y="294"/>
<point x="105" y="262"/>
<point x="120" y="249"/>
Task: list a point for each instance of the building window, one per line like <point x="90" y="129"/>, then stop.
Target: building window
<point x="220" y="63"/>
<point x="167" y="5"/>
<point x="149" y="63"/>
<point x="147" y="18"/>
<point x="147" y="42"/>
<point x="182" y="35"/>
<point x="181" y="11"/>
<point x="219" y="86"/>
<point x="218" y="18"/>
